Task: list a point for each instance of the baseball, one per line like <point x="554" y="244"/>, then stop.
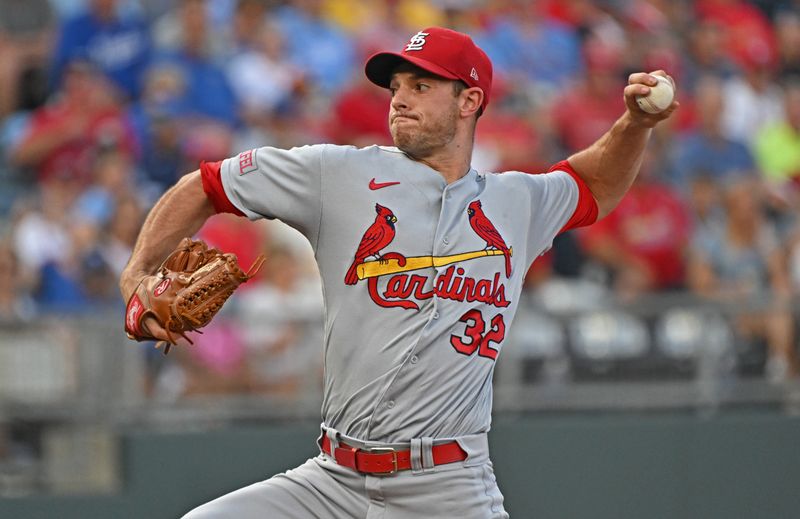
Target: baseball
<point x="659" y="98"/>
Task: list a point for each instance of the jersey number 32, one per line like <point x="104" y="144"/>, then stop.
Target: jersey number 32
<point x="474" y="337"/>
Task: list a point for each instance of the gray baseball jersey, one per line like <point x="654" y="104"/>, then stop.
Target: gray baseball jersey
<point x="421" y="279"/>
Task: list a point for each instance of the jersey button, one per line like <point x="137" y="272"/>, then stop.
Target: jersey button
<point x="390" y="404"/>
<point x="435" y="315"/>
<point x="414" y="359"/>
<point x="445" y="240"/>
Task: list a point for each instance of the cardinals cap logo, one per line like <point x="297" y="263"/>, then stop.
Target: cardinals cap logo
<point x="417" y="41"/>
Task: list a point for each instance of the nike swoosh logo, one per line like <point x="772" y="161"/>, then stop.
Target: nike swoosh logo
<point x="380" y="185"/>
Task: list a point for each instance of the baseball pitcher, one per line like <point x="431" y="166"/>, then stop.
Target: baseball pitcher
<point x="422" y="260"/>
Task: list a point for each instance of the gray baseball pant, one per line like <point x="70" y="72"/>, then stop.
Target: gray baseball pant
<point x="322" y="489"/>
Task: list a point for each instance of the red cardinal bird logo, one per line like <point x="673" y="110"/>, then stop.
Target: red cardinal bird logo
<point x="379" y="235"/>
<point x="484" y="228"/>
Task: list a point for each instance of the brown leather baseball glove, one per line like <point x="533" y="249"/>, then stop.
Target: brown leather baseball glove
<point x="186" y="292"/>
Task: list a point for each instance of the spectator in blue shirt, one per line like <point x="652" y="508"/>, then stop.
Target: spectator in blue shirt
<point x="117" y="46"/>
<point x="544" y="50"/>
<point x="705" y="151"/>
<point x="206" y="92"/>
<point x="319" y="49"/>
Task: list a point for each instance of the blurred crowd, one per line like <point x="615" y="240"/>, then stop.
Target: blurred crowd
<point x="104" y="104"/>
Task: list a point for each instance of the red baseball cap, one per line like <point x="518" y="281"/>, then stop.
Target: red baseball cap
<point x="443" y="52"/>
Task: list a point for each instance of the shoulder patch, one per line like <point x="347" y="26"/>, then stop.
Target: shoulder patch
<point x="247" y="162"/>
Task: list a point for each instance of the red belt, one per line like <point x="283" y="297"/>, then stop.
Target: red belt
<point x="383" y="461"/>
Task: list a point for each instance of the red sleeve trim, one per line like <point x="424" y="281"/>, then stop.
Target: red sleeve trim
<point x="210" y="173"/>
<point x="586" y="211"/>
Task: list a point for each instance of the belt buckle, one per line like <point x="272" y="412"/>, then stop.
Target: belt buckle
<point x="383" y="450"/>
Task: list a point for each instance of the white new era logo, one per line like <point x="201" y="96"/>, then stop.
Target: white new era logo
<point x="474" y="74"/>
<point x="417" y="41"/>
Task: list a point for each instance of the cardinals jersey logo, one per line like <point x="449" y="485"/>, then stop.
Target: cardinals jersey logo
<point x="403" y="286"/>
<point x="376" y="238"/>
<point x="484" y="228"/>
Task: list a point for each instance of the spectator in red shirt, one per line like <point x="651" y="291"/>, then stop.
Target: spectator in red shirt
<point x="509" y="143"/>
<point x="743" y="23"/>
<point x="586" y="109"/>
<point x="358" y="116"/>
<point x="644" y="240"/>
<point x="64" y="136"/>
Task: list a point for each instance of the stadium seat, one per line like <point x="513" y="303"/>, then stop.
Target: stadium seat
<point x="561" y="295"/>
<point x="535" y="351"/>
<point x="694" y="342"/>
<point x="609" y="345"/>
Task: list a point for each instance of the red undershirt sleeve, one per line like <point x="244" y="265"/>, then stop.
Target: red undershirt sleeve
<point x="586" y="211"/>
<point x="212" y="185"/>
